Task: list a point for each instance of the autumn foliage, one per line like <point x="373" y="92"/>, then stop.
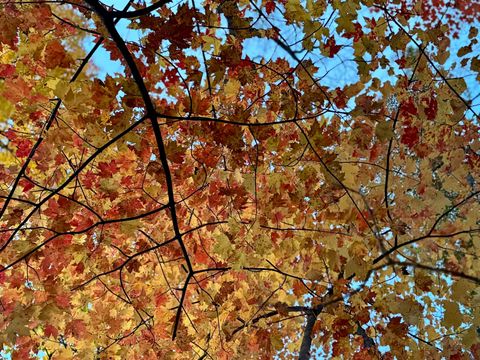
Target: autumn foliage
<point x="239" y="179"/>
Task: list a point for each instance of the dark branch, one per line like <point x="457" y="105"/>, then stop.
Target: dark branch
<point x="140" y="12"/>
<point x="306" y="345"/>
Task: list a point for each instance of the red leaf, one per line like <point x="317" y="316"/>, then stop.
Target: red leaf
<point x="3" y="276"/>
<point x="410" y="136"/>
<point x="107" y="169"/>
<point x="23" y="147"/>
<point x="10" y="134"/>
<point x="160" y="299"/>
<point x="63" y="241"/>
<point x="342" y="328"/>
<point x="6" y="70"/>
<point x="51" y="330"/>
<point x="431" y="108"/>
<point x="201" y="256"/>
<point x="81" y="222"/>
<point x="26" y="184"/>
<point x="356" y="35"/>
<point x="63" y="300"/>
<point x="76" y="328"/>
<point x="332" y="46"/>
<point x="170" y="77"/>
<point x="55" y="55"/>
<point x="337" y="348"/>
<point x="178" y="29"/>
<point x="409" y="107"/>
<point x="270" y="7"/>
<point x="402" y="62"/>
<point x="397" y="327"/>
<point x="340" y="100"/>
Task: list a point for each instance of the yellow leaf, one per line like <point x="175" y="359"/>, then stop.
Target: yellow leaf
<point x="461" y="290"/>
<point x="351" y="172"/>
<point x="399" y="41"/>
<point x="458" y="84"/>
<point x="295" y="11"/>
<point x="129" y="227"/>
<point x="384" y="131"/>
<point x="240" y="261"/>
<point x="470" y="337"/>
<point x="222" y="246"/>
<point x="475" y="65"/>
<point x="315" y="274"/>
<point x="61" y="88"/>
<point x="452" y="315"/>
<point x="211" y="41"/>
<point x="6" y="109"/>
<point x="464" y="50"/>
<point x="237" y="176"/>
<point x="357" y="267"/>
<point x="232" y="88"/>
<point x="410" y="310"/>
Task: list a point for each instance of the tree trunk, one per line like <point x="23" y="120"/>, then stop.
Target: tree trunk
<point x="307" y="334"/>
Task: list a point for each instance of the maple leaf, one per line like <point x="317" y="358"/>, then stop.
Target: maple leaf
<point x="332" y="47"/>
<point x="23" y="147"/>
<point x="340" y="99"/>
<point x="270" y="7"/>
<point x="409" y="107"/>
<point x="341" y="328"/>
<point x="26" y="184"/>
<point x="6" y="70"/>
<point x="55" y="55"/>
<point x="397" y="327"/>
<point x="410" y="136"/>
<point x="76" y="328"/>
<point x="431" y="107"/>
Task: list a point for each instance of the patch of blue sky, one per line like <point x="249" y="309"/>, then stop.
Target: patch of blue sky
<point x="6" y="353"/>
<point x="335" y="72"/>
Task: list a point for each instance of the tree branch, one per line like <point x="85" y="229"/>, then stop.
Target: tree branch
<point x="140" y="12"/>
<point x="306" y="345"/>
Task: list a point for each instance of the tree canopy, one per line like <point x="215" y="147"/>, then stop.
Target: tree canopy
<point x="239" y="179"/>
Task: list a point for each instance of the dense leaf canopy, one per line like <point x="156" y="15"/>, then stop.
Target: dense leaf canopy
<point x="239" y="179"/>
